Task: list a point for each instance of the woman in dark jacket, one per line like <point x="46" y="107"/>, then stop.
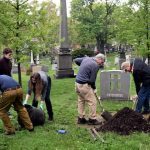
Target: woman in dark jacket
<point x="40" y="85"/>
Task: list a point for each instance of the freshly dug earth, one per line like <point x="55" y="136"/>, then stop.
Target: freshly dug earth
<point x="125" y="122"/>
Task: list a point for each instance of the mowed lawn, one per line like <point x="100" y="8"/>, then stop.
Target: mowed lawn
<point x="64" y="101"/>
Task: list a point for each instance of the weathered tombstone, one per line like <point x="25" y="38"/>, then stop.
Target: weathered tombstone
<point x="54" y="66"/>
<point x="36" y="68"/>
<point x="114" y="84"/>
<point x="39" y="68"/>
<point x="45" y="68"/>
<point x="14" y="69"/>
<point x="116" y="62"/>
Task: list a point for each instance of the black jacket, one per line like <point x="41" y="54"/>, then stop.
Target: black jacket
<point x="5" y="66"/>
<point x="141" y="74"/>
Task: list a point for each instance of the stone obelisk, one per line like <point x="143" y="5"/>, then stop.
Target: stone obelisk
<point x="64" y="59"/>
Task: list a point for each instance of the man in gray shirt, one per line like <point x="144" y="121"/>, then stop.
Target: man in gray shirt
<point x="85" y="86"/>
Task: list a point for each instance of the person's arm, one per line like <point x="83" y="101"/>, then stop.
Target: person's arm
<point x="29" y="91"/>
<point x="78" y="61"/>
<point x="137" y="81"/>
<point x="93" y="76"/>
<point x="26" y="99"/>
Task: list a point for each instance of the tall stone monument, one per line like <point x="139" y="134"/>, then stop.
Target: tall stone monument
<point x="64" y="60"/>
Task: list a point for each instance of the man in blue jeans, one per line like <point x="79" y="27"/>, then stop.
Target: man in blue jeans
<point x="141" y="76"/>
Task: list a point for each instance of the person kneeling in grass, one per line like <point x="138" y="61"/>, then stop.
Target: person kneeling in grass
<point x="12" y="94"/>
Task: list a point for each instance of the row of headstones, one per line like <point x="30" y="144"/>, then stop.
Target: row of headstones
<point x="114" y="84"/>
<point x="31" y="69"/>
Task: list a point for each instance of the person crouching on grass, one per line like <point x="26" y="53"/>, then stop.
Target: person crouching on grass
<point x="40" y="85"/>
<point x="12" y="94"/>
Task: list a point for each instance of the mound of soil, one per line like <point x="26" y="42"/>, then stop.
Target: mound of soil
<point x="125" y="122"/>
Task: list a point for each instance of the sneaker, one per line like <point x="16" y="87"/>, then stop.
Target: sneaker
<point x="94" y="122"/>
<point x="82" y="121"/>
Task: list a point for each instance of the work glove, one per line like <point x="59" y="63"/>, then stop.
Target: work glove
<point x="134" y="98"/>
<point x="24" y="102"/>
<point x="41" y="105"/>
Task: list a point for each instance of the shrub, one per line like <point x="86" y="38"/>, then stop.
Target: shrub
<point x="82" y="52"/>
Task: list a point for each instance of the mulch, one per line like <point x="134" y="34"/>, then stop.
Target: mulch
<point x="125" y="122"/>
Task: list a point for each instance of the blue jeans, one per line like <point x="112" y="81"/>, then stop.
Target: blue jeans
<point x="143" y="99"/>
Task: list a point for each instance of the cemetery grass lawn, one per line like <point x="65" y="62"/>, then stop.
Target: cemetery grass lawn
<point x="64" y="101"/>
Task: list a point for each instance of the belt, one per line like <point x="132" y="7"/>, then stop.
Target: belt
<point x="80" y="82"/>
<point x="13" y="88"/>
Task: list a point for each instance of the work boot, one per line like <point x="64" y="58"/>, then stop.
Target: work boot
<point x="82" y="121"/>
<point x="94" y="122"/>
<point x="50" y="118"/>
<point x="31" y="130"/>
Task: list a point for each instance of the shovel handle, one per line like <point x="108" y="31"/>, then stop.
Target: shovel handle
<point x="99" y="101"/>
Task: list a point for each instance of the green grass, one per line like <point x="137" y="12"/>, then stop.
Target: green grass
<point x="64" y="101"/>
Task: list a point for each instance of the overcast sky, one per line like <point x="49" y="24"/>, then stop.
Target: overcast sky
<point x="57" y="2"/>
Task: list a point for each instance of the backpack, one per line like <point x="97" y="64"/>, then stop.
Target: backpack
<point x="36" y="115"/>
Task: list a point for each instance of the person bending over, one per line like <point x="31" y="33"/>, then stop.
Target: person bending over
<point x="141" y="76"/>
<point x="40" y="85"/>
<point x="85" y="86"/>
<point x="12" y="94"/>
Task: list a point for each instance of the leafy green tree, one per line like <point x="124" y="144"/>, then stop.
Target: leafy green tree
<point x="45" y="27"/>
<point x="93" y="20"/>
<point x="28" y="26"/>
<point x="14" y="22"/>
<point x="142" y="28"/>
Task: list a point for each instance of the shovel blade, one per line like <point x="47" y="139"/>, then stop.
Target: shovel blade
<point x="106" y="115"/>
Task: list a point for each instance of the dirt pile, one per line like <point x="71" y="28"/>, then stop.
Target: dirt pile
<point x="125" y="122"/>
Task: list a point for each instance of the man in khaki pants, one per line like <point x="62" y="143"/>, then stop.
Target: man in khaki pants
<point x="12" y="94"/>
<point x="85" y="86"/>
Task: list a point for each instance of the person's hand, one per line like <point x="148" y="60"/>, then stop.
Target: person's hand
<point x="24" y="102"/>
<point x="134" y="98"/>
<point x="41" y="105"/>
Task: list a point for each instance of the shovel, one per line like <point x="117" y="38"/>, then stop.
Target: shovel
<point x="105" y="114"/>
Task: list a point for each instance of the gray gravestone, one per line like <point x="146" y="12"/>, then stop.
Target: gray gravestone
<point x="45" y="68"/>
<point x="14" y="69"/>
<point x="54" y="66"/>
<point x="114" y="84"/>
<point x="37" y="68"/>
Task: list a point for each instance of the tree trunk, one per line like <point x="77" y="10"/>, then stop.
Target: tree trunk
<point x="100" y="45"/>
<point x="17" y="51"/>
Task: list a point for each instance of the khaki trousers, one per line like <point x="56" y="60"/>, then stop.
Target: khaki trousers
<point x="86" y="94"/>
<point x="14" y="97"/>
